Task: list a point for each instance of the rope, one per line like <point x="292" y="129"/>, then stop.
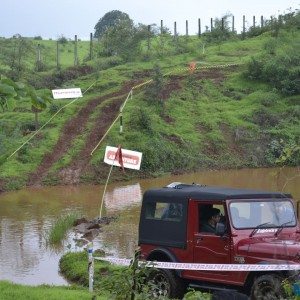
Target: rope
<point x="122" y="107"/>
<point x="45" y="124"/>
<point x="147" y="82"/>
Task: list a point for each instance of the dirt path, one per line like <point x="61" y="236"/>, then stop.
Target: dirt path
<point x="71" y="174"/>
<point x="75" y="127"/>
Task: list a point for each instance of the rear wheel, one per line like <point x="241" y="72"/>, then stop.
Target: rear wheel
<point x="166" y="283"/>
<point x="268" y="287"/>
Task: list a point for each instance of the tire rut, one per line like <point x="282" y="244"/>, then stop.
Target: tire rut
<point x="72" y="129"/>
<point x="71" y="174"/>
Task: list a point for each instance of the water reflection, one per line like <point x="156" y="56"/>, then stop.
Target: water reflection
<point x="26" y="215"/>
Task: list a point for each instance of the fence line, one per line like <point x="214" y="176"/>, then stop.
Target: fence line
<point x="225" y="24"/>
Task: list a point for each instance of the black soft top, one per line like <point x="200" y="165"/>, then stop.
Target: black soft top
<point x="183" y="192"/>
<point x="174" y="234"/>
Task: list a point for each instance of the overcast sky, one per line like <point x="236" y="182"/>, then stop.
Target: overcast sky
<point x="53" y="18"/>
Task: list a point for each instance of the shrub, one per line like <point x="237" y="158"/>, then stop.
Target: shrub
<point x="264" y="118"/>
<point x="53" y="108"/>
<point x="270" y="46"/>
<point x="62" y="39"/>
<point x="108" y="62"/>
<point x="141" y="120"/>
<point x="254" y="69"/>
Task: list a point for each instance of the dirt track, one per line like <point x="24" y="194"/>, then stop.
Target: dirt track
<point x="77" y="126"/>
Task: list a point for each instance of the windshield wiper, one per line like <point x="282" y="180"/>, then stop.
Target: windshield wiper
<point x="281" y="227"/>
<point x="258" y="227"/>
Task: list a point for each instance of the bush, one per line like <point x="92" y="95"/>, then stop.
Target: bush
<point x="270" y="46"/>
<point x="279" y="71"/>
<point x="53" y="108"/>
<point x="264" y="118"/>
<point x="254" y="69"/>
<point x="141" y="120"/>
<point x="108" y="62"/>
<point x="62" y="40"/>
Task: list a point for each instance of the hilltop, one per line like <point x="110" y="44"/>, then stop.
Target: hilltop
<point x="238" y="108"/>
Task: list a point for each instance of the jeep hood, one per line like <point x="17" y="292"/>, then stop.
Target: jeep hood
<point x="264" y="249"/>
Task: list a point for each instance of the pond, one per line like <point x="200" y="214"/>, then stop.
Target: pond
<point x="26" y="216"/>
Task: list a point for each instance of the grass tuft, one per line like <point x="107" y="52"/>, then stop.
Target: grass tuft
<point x="59" y="229"/>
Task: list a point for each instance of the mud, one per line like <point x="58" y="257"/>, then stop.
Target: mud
<point x="77" y="126"/>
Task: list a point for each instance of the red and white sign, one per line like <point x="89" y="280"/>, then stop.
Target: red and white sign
<point x="67" y="93"/>
<point x="131" y="159"/>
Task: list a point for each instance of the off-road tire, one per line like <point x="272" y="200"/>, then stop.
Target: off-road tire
<point x="268" y="287"/>
<point x="166" y="283"/>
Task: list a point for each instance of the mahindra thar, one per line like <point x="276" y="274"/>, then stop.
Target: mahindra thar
<point x="249" y="227"/>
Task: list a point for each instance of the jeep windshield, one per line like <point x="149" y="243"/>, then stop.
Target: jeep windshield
<point x="261" y="214"/>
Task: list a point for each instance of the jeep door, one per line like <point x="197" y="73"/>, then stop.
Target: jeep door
<point x="208" y="247"/>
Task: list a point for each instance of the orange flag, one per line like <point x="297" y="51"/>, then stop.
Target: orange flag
<point x="192" y="66"/>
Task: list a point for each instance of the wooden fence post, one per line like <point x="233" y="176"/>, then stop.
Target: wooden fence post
<point x="38" y="58"/>
<point x="244" y="28"/>
<point x="261" y="21"/>
<point x="148" y="37"/>
<point x="186" y="27"/>
<point x="232" y="24"/>
<point x="199" y="27"/>
<point x="253" y="21"/>
<point x="211" y="24"/>
<point x="75" y="52"/>
<point x="161" y="26"/>
<point x="91" y="46"/>
<point x="57" y="55"/>
<point x="175" y="30"/>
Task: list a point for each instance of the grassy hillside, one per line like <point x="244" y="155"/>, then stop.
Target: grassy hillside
<point x="216" y="117"/>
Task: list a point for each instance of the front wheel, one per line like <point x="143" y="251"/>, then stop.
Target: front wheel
<point x="166" y="283"/>
<point x="268" y="287"/>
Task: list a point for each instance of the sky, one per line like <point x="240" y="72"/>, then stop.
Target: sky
<point x="54" y="18"/>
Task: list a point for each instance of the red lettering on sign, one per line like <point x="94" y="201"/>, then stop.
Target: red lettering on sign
<point x="127" y="158"/>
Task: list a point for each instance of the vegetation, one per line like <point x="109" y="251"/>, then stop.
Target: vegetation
<point x="120" y="283"/>
<point x="214" y="117"/>
<point x="11" y="291"/>
<point x="59" y="229"/>
<point x="108" y="21"/>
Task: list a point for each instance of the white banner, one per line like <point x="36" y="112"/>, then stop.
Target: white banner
<point x="204" y="267"/>
<point x="67" y="93"/>
<point x="131" y="159"/>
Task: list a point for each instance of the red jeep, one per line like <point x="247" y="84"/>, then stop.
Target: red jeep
<point x="255" y="227"/>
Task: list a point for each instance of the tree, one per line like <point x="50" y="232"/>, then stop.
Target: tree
<point x="123" y="39"/>
<point x="18" y="49"/>
<point x="220" y="32"/>
<point x="153" y="92"/>
<point x="109" y="20"/>
<point x="11" y="91"/>
<point x="39" y="101"/>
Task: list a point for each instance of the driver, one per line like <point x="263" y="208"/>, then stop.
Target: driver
<point x="213" y="218"/>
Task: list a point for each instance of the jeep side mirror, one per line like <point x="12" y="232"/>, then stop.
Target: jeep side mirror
<point x="220" y="229"/>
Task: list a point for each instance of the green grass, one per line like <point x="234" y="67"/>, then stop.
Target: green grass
<point x="59" y="229"/>
<point x="74" y="267"/>
<point x="11" y="291"/>
<point x="204" y="116"/>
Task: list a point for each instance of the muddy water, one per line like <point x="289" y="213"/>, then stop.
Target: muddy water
<point x="26" y="216"/>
